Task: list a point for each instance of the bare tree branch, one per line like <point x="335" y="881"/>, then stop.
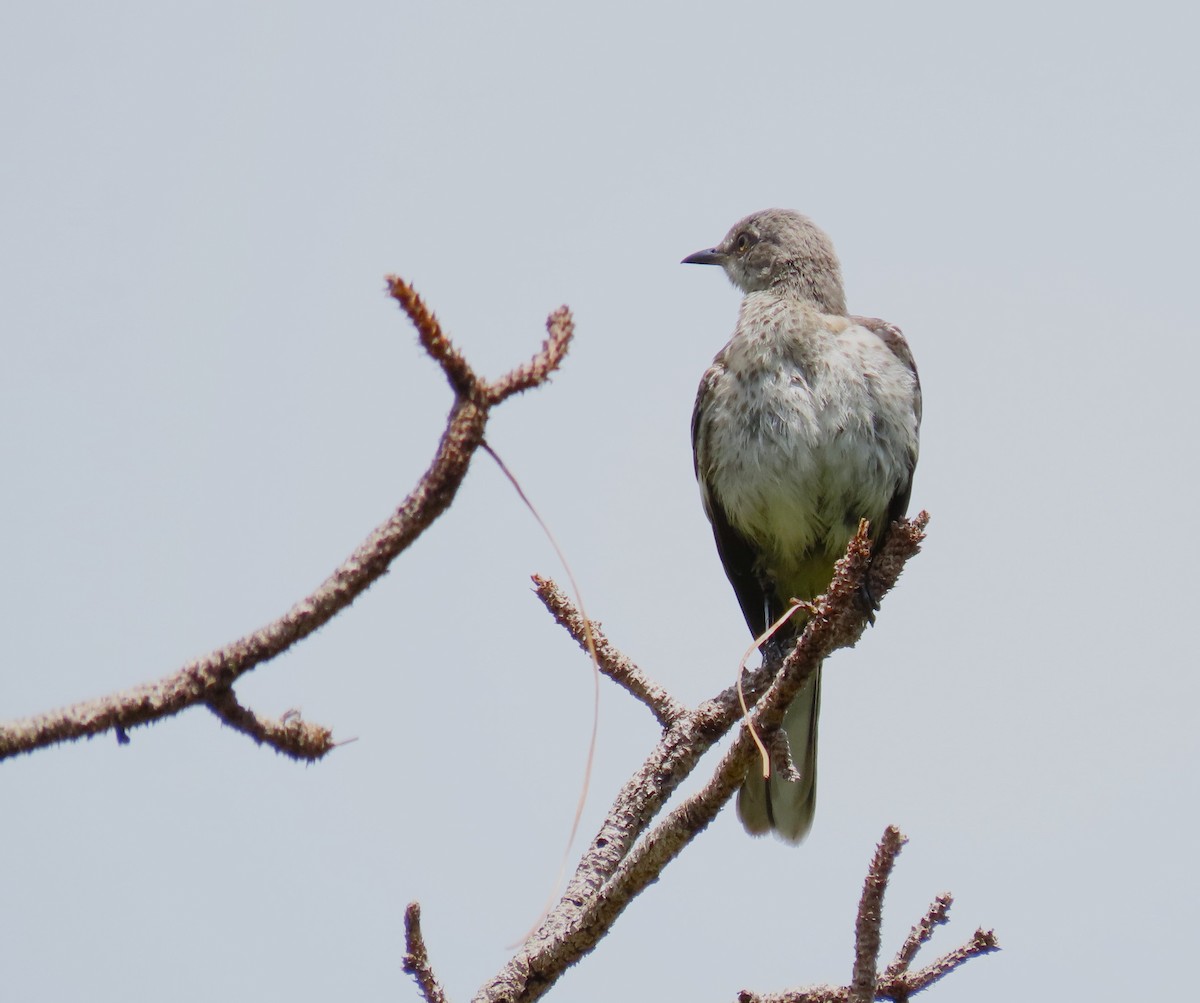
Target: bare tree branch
<point x="416" y="957"/>
<point x="560" y="328"/>
<point x="809" y="994"/>
<point x="895" y="983"/>
<point x="624" y="858"/>
<point x="629" y="852"/>
<point x="463" y="380"/>
<point x="290" y="734"/>
<point x="780" y="752"/>
<point x="613" y="663"/>
<point x="867" y="924"/>
<point x="983" y="942"/>
<point x="207" y="679"/>
<point x="936" y="915"/>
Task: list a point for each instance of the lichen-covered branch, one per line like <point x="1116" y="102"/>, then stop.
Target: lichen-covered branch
<point x="416" y="957"/>
<point x="869" y="920"/>
<point x="901" y="988"/>
<point x="895" y="983"/>
<point x="631" y="849"/>
<point x="613" y="662"/>
<point x="936" y="915"/>
<point x="627" y="854"/>
<point x="208" y="680"/>
<point x="290" y="734"/>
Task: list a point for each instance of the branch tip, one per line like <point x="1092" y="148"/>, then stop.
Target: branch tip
<point x="868" y="923"/>
<point x="936" y="915"/>
<point x="560" y="329"/>
<point x="612" y="661"/>
<point x="207" y="680"/>
<point x="435" y="342"/>
<point x="416" y="956"/>
<point x="289" y="735"/>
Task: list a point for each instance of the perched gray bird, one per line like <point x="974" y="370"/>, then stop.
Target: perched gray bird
<point x="806" y="422"/>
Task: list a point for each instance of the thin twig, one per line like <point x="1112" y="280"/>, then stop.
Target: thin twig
<point x="783" y="765"/>
<point x="205" y="679"/>
<point x="983" y="942"/>
<point x="200" y="680"/>
<point x="290" y="735"/>
<point x="936" y="915"/>
<point x="613" y="663"/>
<point x="462" y="378"/>
<point x="612" y="871"/>
<point x="809" y="994"/>
<point x="560" y="328"/>
<point x="870" y="916"/>
<point x="416" y="957"/>
<point x="895" y="984"/>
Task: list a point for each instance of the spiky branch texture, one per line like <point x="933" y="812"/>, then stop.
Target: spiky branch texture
<point x="208" y="681"/>
<point x="631" y="849"/>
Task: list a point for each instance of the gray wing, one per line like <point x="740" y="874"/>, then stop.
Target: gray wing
<point x="892" y="337"/>
<point x="738" y="556"/>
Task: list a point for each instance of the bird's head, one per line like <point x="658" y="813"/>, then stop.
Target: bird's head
<point x="779" y="248"/>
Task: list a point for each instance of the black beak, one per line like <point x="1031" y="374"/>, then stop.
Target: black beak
<point x="709" y="257"/>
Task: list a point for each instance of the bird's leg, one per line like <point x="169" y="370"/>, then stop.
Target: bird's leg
<point x="775" y="649"/>
<point x="786" y="630"/>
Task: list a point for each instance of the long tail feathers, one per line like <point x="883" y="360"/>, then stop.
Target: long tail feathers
<point x="788" y="806"/>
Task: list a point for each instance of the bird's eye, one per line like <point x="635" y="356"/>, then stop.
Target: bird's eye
<point x="742" y="244"/>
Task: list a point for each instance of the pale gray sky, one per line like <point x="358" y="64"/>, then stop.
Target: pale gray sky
<point x="207" y="400"/>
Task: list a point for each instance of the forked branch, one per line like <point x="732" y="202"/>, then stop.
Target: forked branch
<point x="895" y="983"/>
<point x="629" y="853"/>
<point x="209" y="680"/>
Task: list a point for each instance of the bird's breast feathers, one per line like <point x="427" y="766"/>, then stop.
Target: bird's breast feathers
<point x="807" y="425"/>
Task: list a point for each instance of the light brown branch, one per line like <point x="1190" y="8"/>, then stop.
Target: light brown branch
<point x="203" y="680"/>
<point x="624" y="858"/>
<point x="613" y="663"/>
<point x="416" y="957"/>
<point x="290" y="734"/>
<point x="936" y="915"/>
<point x="983" y="942"/>
<point x="809" y="994"/>
<point x="560" y="328"/>
<point x="780" y="751"/>
<point x="463" y="380"/>
<point x="903" y="540"/>
<point x="894" y="984"/>
<point x="868" y="923"/>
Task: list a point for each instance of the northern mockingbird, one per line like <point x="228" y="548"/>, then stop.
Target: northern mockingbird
<point x="805" y="423"/>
